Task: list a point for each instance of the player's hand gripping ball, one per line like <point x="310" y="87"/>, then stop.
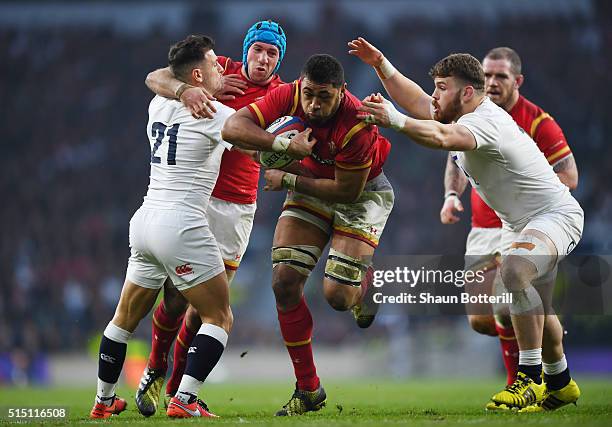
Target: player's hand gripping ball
<point x="288" y="127"/>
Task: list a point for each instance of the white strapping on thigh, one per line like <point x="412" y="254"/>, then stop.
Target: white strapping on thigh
<point x="534" y="250"/>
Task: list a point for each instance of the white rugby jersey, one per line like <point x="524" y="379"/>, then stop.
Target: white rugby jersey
<point x="507" y="169"/>
<point x="185" y="155"/>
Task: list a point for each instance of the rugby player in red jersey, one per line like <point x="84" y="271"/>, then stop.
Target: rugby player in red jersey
<point x="338" y="193"/>
<point x="233" y="202"/>
<point x="503" y="79"/>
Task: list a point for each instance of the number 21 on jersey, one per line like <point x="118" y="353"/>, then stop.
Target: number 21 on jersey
<point x="161" y="133"/>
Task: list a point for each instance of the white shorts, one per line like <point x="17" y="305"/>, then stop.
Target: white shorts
<point x="563" y="225"/>
<point x="364" y="219"/>
<point x="231" y="223"/>
<point x="171" y="243"/>
<point x="482" y="246"/>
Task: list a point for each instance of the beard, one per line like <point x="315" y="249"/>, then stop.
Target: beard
<point x="451" y="113"/>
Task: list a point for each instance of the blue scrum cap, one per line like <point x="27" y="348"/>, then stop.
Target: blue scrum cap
<point x="266" y="32"/>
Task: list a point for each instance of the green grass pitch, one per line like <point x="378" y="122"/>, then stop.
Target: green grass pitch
<point x="367" y="403"/>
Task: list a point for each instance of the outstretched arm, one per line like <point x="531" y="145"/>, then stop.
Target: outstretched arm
<point x="402" y="90"/>
<point x="430" y="133"/>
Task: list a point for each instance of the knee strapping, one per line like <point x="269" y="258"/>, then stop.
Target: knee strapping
<point x="534" y="250"/>
<point x="301" y="258"/>
<point x="525" y="300"/>
<point x="345" y="269"/>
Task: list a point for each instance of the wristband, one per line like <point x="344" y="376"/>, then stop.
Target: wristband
<point x="385" y="70"/>
<point x="182" y="88"/>
<point x="289" y="180"/>
<point x="450" y="194"/>
<point x="281" y="144"/>
<point x="396" y="119"/>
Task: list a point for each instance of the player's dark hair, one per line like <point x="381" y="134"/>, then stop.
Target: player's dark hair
<point x="510" y="55"/>
<point x="324" y="69"/>
<point x="462" y="66"/>
<point x="184" y="55"/>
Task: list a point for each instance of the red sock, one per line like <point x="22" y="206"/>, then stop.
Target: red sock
<point x="296" y="328"/>
<point x="510" y="350"/>
<point x="164" y="329"/>
<point x="185" y="336"/>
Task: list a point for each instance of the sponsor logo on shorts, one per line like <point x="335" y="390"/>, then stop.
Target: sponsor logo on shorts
<point x="181" y="270"/>
<point x="192" y="350"/>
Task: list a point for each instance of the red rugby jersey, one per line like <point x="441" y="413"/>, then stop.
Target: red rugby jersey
<point x="550" y="140"/>
<point x="344" y="141"/>
<point x="239" y="174"/>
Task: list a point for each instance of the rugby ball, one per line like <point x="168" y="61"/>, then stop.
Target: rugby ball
<point x="287" y="126"/>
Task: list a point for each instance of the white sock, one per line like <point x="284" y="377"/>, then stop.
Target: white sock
<point x="530" y="357"/>
<point x="117" y="334"/>
<point x="188" y="388"/>
<point x="556" y="367"/>
<point x="105" y="392"/>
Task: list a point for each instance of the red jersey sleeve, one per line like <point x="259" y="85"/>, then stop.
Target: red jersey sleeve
<point x="550" y="139"/>
<point x="357" y="148"/>
<point x="277" y="103"/>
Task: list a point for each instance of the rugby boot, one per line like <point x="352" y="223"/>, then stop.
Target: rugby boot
<point x="518" y="395"/>
<point x="147" y="395"/>
<point x="365" y="311"/>
<point x="303" y="401"/>
<point x="196" y="408"/>
<point x="102" y="411"/>
<point x="555" y="399"/>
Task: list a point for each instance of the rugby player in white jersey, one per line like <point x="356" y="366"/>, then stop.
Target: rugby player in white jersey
<point x="542" y="222"/>
<point x="170" y="235"/>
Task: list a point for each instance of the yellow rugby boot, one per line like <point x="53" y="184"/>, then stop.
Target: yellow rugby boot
<point x="555" y="399"/>
<point x="520" y="394"/>
<point x="147" y="395"/>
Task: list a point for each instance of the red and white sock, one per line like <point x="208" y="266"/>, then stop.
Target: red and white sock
<point x="510" y="350"/>
<point x="183" y="340"/>
<point x="164" y="329"/>
<point x="296" y="328"/>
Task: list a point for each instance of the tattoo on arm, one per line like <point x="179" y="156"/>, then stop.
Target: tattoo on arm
<point x="567" y="172"/>
<point x="565" y="164"/>
<point x="454" y="179"/>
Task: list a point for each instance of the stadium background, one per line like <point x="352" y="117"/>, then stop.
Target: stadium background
<point x="76" y="167"/>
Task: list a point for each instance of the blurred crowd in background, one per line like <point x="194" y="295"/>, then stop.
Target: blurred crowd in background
<point x="74" y="111"/>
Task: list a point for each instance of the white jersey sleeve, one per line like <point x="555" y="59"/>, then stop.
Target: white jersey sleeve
<point x="485" y="131"/>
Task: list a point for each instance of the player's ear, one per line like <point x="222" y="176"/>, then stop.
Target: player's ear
<point x="519" y="81"/>
<point x="197" y="75"/>
<point x="342" y="90"/>
<point x="467" y="92"/>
